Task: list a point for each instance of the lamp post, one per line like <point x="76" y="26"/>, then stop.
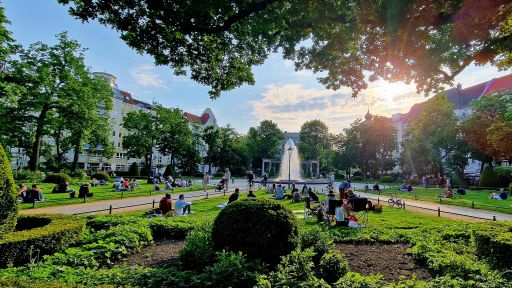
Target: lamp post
<point x="290" y="149"/>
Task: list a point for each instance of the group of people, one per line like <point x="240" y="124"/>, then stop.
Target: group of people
<point x="233" y="197"/>
<point x="341" y="212"/>
<point x="170" y="183"/>
<point x="125" y="184"/>
<point x="181" y="207"/>
<point x="503" y="195"/>
<point x="26" y="195"/>
<point x="296" y="195"/>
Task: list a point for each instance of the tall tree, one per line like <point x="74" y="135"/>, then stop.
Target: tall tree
<point x="52" y="77"/>
<point x="488" y="131"/>
<point x="232" y="152"/>
<point x="433" y="140"/>
<point x="142" y="136"/>
<point x="264" y="141"/>
<point x="315" y="140"/>
<point x="428" y="42"/>
<point x="211" y="137"/>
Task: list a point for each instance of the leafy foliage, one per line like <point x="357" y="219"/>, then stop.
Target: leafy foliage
<point x="488" y="178"/>
<point x="134" y="169"/>
<point x="60" y="233"/>
<point x="100" y="175"/>
<point x="264" y="141"/>
<point x="344" y="39"/>
<point x="8" y="203"/>
<point x="255" y="225"/>
<point x="198" y="250"/>
<point x="56" y="178"/>
<point x="332" y="266"/>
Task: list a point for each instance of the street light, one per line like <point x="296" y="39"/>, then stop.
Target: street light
<point x="290" y="149"/>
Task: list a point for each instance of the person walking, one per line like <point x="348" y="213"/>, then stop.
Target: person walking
<point x="206" y="181"/>
<point x="226" y="177"/>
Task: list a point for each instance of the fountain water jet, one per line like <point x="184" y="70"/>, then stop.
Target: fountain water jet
<point x="294" y="163"/>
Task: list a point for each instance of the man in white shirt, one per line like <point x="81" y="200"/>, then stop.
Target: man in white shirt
<point x="226" y="177"/>
<point x="181" y="207"/>
<point x="279" y="192"/>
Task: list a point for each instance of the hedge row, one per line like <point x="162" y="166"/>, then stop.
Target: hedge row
<point x="19" y="247"/>
<point x="494" y="247"/>
<point x="171" y="228"/>
<point x="8" y="203"/>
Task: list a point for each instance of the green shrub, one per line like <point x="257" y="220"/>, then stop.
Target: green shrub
<point x="332" y="266"/>
<point x="134" y="169"/>
<point x="386" y="179"/>
<point x="357" y="178"/>
<point x="230" y="270"/>
<point x="255" y="225"/>
<point x="510" y="188"/>
<point x="494" y="247"/>
<point x="488" y="178"/>
<point x="23" y="283"/>
<point x="171" y="228"/>
<point x="8" y="203"/>
<point x="168" y="171"/>
<point x="25" y="174"/>
<point x="218" y="174"/>
<point x="106" y="222"/>
<point x="317" y="239"/>
<point x="198" y="250"/>
<point x="356" y="280"/>
<point x="79" y="174"/>
<point x="56" y="178"/>
<point x="100" y="175"/>
<point x="60" y="233"/>
<point x="503" y="175"/>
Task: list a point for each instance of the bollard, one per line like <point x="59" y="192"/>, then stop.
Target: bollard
<point x="150" y="191"/>
<point x="473" y="204"/>
<point x="440" y="200"/>
<point x="224" y="192"/>
<point x="206" y="194"/>
<point x="110" y="210"/>
<point x="493" y="218"/>
<point x="33" y="203"/>
<point x="415" y="197"/>
<point x="403" y="205"/>
<point x="153" y="203"/>
<point x="85" y="196"/>
<point x="122" y="194"/>
<point x="378" y="200"/>
<point x="438" y="211"/>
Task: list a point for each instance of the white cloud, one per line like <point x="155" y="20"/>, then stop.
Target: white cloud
<point x="290" y="105"/>
<point x="145" y="75"/>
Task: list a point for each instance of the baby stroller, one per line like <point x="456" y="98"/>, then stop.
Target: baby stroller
<point x="220" y="186"/>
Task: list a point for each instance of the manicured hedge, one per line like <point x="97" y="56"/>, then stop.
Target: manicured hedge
<point x="8" y="203"/>
<point x="171" y="228"/>
<point x="259" y="228"/>
<point x="56" y="178"/>
<point x="495" y="247"/>
<point x="100" y="176"/>
<point x="60" y="233"/>
<point x="386" y="179"/>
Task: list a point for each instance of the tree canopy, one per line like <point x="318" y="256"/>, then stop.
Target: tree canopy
<point x="427" y="42"/>
<point x="264" y="141"/>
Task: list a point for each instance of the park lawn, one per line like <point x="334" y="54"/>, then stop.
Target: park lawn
<point x="100" y="193"/>
<point x="390" y="217"/>
<point x="477" y="199"/>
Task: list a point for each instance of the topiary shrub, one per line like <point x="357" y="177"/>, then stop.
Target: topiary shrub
<point x="488" y="178"/>
<point x="8" y="203"/>
<point x="134" y="169"/>
<point x="357" y="178"/>
<point x="20" y="247"/>
<point x="168" y="171"/>
<point x="386" y="179"/>
<point x="260" y="228"/>
<point x="100" y="175"/>
<point x="25" y="174"/>
<point x="503" y="176"/>
<point x="56" y="178"/>
<point x="332" y="266"/>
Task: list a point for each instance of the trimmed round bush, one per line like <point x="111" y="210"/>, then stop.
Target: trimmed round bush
<point x="56" y="178"/>
<point x="488" y="178"/>
<point x="100" y="175"/>
<point x="386" y="179"/>
<point x="260" y="228"/>
<point x="8" y="203"/>
<point x="18" y="247"/>
<point x="134" y="169"/>
<point x="332" y="266"/>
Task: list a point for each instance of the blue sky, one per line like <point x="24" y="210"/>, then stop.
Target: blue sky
<point x="281" y="94"/>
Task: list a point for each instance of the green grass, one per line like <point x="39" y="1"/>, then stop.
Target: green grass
<point x="477" y="199"/>
<point x="100" y="193"/>
<point x="389" y="218"/>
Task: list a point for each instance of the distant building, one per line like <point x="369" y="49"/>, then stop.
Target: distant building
<point x="461" y="100"/>
<point x="123" y="103"/>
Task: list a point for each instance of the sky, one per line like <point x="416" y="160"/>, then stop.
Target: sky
<point x="281" y="94"/>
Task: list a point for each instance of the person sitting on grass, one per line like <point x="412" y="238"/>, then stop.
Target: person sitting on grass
<point x="312" y="195"/>
<point x="461" y="191"/>
<point x="134" y="185"/>
<point x="448" y="193"/>
<point x="409" y="188"/>
<point x="62" y="187"/>
<point x="305" y="189"/>
<point x="296" y="196"/>
<point x="279" y="193"/>
<point x="22" y="192"/>
<point x="234" y="196"/>
<point x="156" y="187"/>
<point x="119" y="187"/>
<point x="376" y="187"/>
<point x="168" y="185"/>
<point x="503" y="195"/>
<point x="165" y="204"/>
<point x="182" y="207"/>
<point x="83" y="191"/>
<point x="251" y="194"/>
<point x="183" y="183"/>
<point x="272" y="189"/>
<point x="315" y="209"/>
<point x="35" y="194"/>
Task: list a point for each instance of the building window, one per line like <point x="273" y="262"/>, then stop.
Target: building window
<point x="113" y="133"/>
<point x="119" y="145"/>
<point x="119" y="155"/>
<point x="119" y="134"/>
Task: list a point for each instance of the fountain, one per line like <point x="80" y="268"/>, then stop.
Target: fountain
<point x="290" y="163"/>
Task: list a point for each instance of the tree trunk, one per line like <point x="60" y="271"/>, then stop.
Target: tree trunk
<point x="57" y="145"/>
<point x="76" y="154"/>
<point x="33" y="164"/>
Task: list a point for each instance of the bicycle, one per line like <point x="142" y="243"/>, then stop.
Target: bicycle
<point x="395" y="201"/>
